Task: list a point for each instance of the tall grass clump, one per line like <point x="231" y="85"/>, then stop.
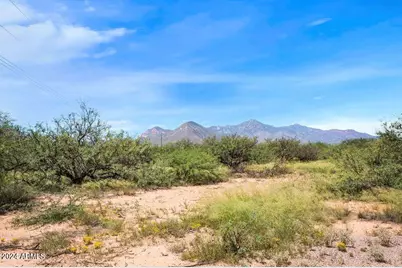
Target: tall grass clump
<point x="264" y="221"/>
<point x="14" y="195"/>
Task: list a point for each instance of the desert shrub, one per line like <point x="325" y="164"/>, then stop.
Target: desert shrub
<point x="14" y="195"/>
<point x="15" y="153"/>
<point x="195" y="167"/>
<point x="264" y="220"/>
<point x="81" y="146"/>
<point x="286" y="149"/>
<point x="155" y="175"/>
<point x="307" y="152"/>
<point x="325" y="151"/>
<point x="263" y="153"/>
<point x="372" y="163"/>
<point x="53" y="243"/>
<point x="266" y="170"/>
<point x="233" y="151"/>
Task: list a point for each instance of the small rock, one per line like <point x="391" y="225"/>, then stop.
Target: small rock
<point x="164" y="254"/>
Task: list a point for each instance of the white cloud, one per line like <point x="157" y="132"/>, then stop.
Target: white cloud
<point x="105" y="53"/>
<point x="11" y="15"/>
<point x="319" y="22"/>
<point x="48" y="41"/>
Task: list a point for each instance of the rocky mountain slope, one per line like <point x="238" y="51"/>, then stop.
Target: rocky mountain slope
<point x="252" y="128"/>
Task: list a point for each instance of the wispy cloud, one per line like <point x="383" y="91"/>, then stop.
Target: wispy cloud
<point x="88" y="6"/>
<point x="105" y="53"/>
<point x="319" y="22"/>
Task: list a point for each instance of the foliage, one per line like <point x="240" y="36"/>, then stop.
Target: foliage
<point x="268" y="220"/>
<point x="267" y="170"/>
<point x="81" y="146"/>
<point x="53" y="214"/>
<point x="286" y="149"/>
<point x="307" y="152"/>
<point x="53" y="242"/>
<point x="196" y="167"/>
<point x="372" y="163"/>
<point x="14" y="195"/>
<point x="155" y="175"/>
<point x="263" y="153"/>
<point x="233" y="151"/>
<point x="97" y="187"/>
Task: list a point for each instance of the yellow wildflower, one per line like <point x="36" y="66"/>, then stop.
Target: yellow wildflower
<point x="87" y="240"/>
<point x="73" y="249"/>
<point x="341" y="246"/>
<point x="98" y="244"/>
<point x="85" y="249"/>
<point x="195" y="225"/>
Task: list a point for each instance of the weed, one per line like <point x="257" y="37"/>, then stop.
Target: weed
<point x="53" y="214"/>
<point x="205" y="250"/>
<point x="266" y="170"/>
<point x="341" y="235"/>
<point x="53" y="243"/>
<point x="115" y="225"/>
<point x="340" y="212"/>
<point x="378" y="255"/>
<point x="14" y="196"/>
<point x="171" y="227"/>
<point x="270" y="220"/>
<point x="385" y="236"/>
<point x="178" y="247"/>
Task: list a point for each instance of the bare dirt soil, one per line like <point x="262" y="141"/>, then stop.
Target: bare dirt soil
<point x="166" y="203"/>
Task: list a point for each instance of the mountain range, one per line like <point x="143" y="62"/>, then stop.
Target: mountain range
<point x="252" y="128"/>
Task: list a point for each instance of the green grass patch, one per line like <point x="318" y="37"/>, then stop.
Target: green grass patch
<point x="96" y="188"/>
<point x="270" y="221"/>
<point x="266" y="170"/>
<point x="314" y="167"/>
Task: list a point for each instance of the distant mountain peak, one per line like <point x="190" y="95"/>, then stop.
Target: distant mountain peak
<point x="251" y="128"/>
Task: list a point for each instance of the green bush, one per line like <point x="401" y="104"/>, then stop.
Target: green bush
<point x="195" y="167"/>
<point x="263" y="153"/>
<point x="372" y="163"/>
<point x="307" y="152"/>
<point x="286" y="149"/>
<point x="233" y="151"/>
<point x="81" y="146"/>
<point x="155" y="175"/>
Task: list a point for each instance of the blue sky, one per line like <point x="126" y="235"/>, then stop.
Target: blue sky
<point x="326" y="64"/>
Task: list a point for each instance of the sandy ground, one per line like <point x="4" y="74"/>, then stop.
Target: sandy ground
<point x="162" y="204"/>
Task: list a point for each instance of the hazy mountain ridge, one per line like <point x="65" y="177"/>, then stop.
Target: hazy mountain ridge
<point x="251" y="128"/>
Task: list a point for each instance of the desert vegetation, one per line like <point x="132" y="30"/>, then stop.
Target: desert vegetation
<point x="272" y="202"/>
